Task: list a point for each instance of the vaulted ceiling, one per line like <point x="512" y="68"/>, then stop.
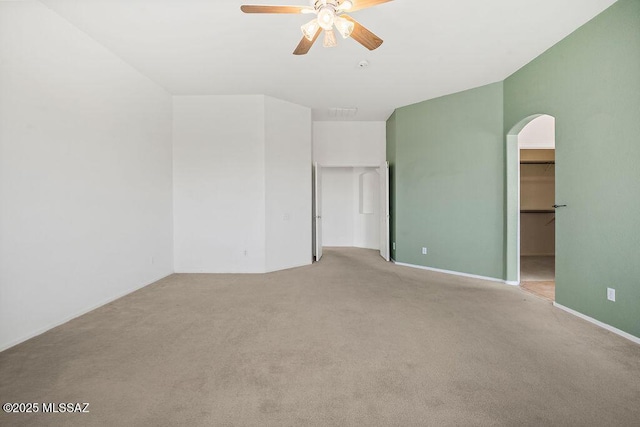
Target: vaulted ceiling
<point x="431" y="47"/>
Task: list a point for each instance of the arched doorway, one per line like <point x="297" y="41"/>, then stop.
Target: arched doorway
<point x="530" y="216"/>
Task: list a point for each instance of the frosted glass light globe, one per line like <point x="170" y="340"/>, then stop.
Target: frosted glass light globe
<point x="326" y="17"/>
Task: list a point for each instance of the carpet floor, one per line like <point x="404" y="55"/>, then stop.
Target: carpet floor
<point x="537" y="268"/>
<point x="348" y="341"/>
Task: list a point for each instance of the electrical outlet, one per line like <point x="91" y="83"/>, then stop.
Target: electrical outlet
<point x="394" y="246"/>
<point x="424" y="251"/>
<point x="611" y="294"/>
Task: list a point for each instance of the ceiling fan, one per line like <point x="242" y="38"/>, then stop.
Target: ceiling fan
<point x="329" y="13"/>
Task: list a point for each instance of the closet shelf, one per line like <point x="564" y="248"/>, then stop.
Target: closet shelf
<point x="537" y="162"/>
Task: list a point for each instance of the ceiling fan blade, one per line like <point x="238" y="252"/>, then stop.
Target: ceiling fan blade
<point x="305" y="44"/>
<point x="363" y="4"/>
<point x="254" y="8"/>
<point x="363" y="36"/>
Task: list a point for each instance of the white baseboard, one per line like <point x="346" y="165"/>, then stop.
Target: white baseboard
<point x="512" y="282"/>
<point x="599" y="323"/>
<point x="73" y="316"/>
<point x="454" y="273"/>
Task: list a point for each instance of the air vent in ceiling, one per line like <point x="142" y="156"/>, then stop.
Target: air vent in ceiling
<point x="342" y="112"/>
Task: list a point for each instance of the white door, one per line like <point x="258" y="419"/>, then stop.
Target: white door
<point x="317" y="211"/>
<point x="384" y="211"/>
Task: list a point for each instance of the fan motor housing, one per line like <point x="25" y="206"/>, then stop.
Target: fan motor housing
<point x="318" y="4"/>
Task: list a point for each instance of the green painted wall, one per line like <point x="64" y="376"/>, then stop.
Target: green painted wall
<point x="590" y="82"/>
<point x="391" y="158"/>
<point x="449" y="162"/>
<point x="448" y="168"/>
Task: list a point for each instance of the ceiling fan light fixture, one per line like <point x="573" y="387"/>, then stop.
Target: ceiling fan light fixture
<point x="344" y="26"/>
<point x="329" y="39"/>
<point x="329" y="14"/>
<point x="326" y="17"/>
<point x="310" y="28"/>
<point x="345" y="5"/>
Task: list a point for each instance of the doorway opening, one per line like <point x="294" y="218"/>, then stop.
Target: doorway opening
<point x="531" y="181"/>
<point x="351" y="208"/>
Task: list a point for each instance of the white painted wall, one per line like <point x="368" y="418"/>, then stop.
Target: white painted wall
<point x="288" y="184"/>
<point x="349" y="143"/>
<point x="85" y="174"/>
<point x="219" y="183"/>
<point x="242" y="184"/>
<point x="538" y="134"/>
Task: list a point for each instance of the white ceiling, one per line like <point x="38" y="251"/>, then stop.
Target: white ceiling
<point x="431" y="47"/>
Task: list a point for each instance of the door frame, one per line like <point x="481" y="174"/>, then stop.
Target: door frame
<point x="316" y="228"/>
<point x="512" y="203"/>
<point x="385" y="226"/>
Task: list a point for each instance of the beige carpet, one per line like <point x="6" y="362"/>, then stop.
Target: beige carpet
<point x="349" y="341"/>
<point x="537" y="268"/>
